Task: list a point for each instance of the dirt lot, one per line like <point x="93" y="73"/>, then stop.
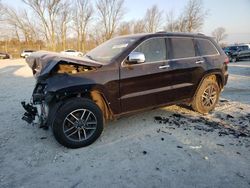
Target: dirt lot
<point x="167" y="147"/>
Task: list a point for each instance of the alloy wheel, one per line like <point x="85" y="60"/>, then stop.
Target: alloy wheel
<point x="79" y="125"/>
<point x="209" y="96"/>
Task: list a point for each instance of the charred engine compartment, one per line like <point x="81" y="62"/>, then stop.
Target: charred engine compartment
<point x="71" y="68"/>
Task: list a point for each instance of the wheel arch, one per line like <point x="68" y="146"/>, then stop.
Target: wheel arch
<point x="93" y="93"/>
<point x="99" y="98"/>
<point x="216" y="76"/>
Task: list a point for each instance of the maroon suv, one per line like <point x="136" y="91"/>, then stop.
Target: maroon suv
<point x="75" y="96"/>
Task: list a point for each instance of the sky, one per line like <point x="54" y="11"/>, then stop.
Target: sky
<point x="233" y="15"/>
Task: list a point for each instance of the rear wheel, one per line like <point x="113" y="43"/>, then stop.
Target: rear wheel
<point x="78" y="123"/>
<point x="207" y="96"/>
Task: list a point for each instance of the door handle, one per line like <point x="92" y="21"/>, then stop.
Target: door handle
<point x="199" y="62"/>
<point x="164" y="66"/>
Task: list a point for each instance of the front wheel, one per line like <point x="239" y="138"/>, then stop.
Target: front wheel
<point x="206" y="97"/>
<point x="78" y="123"/>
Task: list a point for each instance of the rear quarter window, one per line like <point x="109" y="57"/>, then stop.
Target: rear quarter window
<point x="206" y="47"/>
<point x="182" y="48"/>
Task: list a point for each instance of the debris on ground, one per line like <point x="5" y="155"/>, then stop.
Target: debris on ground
<point x="222" y="145"/>
<point x="206" y="158"/>
<point x="195" y="147"/>
<point x="224" y="124"/>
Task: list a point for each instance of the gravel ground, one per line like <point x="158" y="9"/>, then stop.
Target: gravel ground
<point x="167" y="147"/>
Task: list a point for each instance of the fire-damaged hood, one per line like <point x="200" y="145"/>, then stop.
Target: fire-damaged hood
<point x="42" y="62"/>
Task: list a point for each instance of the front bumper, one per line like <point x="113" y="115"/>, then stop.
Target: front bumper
<point x="30" y="114"/>
<point x="35" y="114"/>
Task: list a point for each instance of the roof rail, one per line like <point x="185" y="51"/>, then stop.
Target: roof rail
<point x="180" y="32"/>
<point x="161" y="32"/>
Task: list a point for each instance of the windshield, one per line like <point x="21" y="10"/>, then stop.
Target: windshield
<point x="110" y="49"/>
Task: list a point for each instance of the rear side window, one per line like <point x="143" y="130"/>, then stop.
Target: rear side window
<point x="206" y="47"/>
<point x="154" y="49"/>
<point x="182" y="48"/>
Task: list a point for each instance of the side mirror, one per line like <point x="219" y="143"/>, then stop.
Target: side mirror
<point x="136" y="58"/>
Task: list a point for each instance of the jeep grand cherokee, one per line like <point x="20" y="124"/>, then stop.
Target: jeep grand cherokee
<point x="75" y="96"/>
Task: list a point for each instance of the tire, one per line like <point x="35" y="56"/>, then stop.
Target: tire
<point x="78" y="123"/>
<point x="206" y="97"/>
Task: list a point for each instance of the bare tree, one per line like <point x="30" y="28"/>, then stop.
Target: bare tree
<point x="1" y="11"/>
<point x="2" y="19"/>
<point x="139" y="26"/>
<point x="63" y="23"/>
<point x="47" y="12"/>
<point x="171" y="22"/>
<point x="110" y="13"/>
<point x="81" y="19"/>
<point x="152" y="19"/>
<point x="219" y="34"/>
<point x="195" y="15"/>
<point x="190" y="20"/>
<point x="21" y="24"/>
<point x="125" y="28"/>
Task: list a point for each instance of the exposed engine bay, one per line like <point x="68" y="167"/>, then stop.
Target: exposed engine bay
<point x="52" y="72"/>
<point x="69" y="68"/>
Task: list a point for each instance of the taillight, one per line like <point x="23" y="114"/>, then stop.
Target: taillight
<point x="226" y="60"/>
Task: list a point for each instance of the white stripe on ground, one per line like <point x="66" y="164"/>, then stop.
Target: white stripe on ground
<point x="230" y="65"/>
<point x="239" y="76"/>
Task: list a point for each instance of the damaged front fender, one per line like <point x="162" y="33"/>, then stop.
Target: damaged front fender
<point x="62" y="77"/>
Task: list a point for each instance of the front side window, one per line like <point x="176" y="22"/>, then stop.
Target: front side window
<point x="154" y="49"/>
<point x="182" y="48"/>
<point x="206" y="47"/>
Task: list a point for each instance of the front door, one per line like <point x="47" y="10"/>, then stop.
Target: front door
<point x="141" y="84"/>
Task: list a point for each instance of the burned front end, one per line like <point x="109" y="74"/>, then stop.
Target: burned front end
<point x="58" y="77"/>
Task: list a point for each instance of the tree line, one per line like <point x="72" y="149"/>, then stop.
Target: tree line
<point x="83" y="24"/>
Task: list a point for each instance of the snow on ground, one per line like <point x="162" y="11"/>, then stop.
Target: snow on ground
<point x="167" y="147"/>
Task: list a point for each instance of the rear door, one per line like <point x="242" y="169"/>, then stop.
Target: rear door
<point x="187" y="65"/>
